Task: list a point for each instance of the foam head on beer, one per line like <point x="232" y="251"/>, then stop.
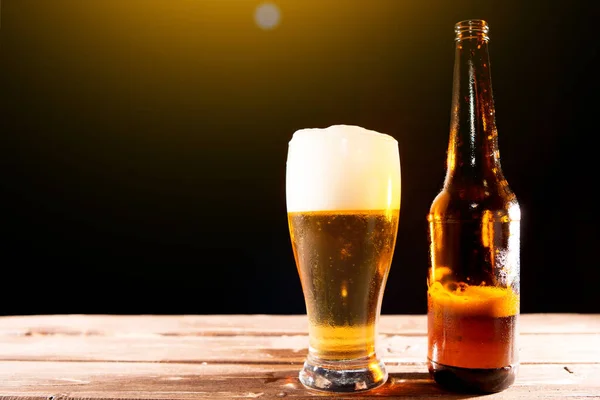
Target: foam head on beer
<point x="342" y="167"/>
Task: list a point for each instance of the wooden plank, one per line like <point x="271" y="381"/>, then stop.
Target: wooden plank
<point x="72" y="380"/>
<point x="231" y="325"/>
<point x="554" y="348"/>
<point x="216" y="357"/>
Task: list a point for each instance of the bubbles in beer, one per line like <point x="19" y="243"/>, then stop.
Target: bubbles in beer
<point x="342" y="167"/>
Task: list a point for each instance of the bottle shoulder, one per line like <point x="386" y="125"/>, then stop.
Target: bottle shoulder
<point x="475" y="203"/>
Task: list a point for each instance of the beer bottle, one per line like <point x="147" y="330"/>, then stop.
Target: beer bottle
<point x="474" y="224"/>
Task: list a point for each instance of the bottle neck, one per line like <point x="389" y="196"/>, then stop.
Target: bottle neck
<point x="473" y="154"/>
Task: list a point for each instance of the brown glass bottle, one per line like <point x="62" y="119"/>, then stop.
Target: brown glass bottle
<point x="474" y="224"/>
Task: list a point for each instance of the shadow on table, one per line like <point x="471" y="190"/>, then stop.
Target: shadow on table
<point x="282" y="381"/>
<point x="399" y="385"/>
<point x="415" y="384"/>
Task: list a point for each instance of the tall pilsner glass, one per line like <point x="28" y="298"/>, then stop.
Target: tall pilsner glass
<point x="343" y="204"/>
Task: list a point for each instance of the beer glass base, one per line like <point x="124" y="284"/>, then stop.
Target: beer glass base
<point x="343" y="376"/>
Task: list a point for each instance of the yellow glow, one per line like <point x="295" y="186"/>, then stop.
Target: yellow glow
<point x="487" y="228"/>
<point x="451" y="154"/>
<point x="389" y="194"/>
<point x="475" y="300"/>
<point x="390" y="186"/>
<point x="439" y="273"/>
<point x="342" y="342"/>
<point x="376" y="370"/>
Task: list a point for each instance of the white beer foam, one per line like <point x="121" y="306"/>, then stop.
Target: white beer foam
<point x="342" y="167"/>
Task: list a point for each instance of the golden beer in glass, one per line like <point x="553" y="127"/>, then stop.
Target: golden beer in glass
<point x="343" y="204"/>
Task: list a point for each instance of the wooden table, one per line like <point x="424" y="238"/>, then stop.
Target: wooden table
<point x="232" y="357"/>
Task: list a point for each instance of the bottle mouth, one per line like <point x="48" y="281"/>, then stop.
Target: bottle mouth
<point x="472" y="29"/>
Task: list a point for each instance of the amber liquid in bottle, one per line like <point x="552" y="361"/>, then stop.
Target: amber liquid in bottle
<point x="473" y="282"/>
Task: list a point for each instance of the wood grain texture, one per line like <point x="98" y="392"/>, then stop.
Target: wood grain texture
<point x="551" y="348"/>
<point x="229" y="357"/>
<point x="261" y="325"/>
<point x="207" y="381"/>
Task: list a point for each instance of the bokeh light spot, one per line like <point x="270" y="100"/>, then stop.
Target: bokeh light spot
<point x="267" y="16"/>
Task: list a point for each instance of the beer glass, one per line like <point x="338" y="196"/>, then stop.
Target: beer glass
<point x="343" y="204"/>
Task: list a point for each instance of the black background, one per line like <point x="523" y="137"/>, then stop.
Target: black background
<point x="143" y="144"/>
